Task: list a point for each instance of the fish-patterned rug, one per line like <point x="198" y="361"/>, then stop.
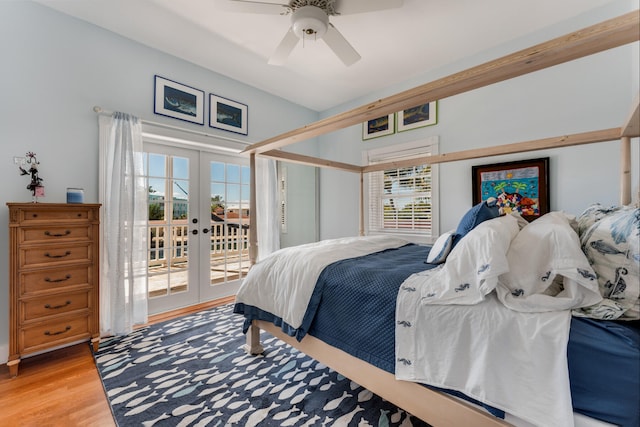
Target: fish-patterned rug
<point x="192" y="371"/>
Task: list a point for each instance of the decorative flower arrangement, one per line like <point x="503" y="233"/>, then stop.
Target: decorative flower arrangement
<point x="36" y="187"/>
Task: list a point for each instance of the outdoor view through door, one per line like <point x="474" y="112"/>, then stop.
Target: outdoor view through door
<point x="229" y="184"/>
<point x="198" y="226"/>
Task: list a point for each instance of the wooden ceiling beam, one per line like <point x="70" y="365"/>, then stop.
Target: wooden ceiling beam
<point x="590" y="40"/>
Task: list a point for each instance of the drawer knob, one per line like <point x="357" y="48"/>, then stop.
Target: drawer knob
<point x="66" y="233"/>
<point x="65" y="278"/>
<point x="48" y="255"/>
<point x="55" y="307"/>
<point x="67" y="329"/>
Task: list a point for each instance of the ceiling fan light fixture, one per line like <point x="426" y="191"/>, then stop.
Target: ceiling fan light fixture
<point x="309" y="21"/>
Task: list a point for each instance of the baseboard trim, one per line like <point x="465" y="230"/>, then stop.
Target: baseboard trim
<point x="161" y="317"/>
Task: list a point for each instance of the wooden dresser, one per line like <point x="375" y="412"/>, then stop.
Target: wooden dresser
<point x="53" y="277"/>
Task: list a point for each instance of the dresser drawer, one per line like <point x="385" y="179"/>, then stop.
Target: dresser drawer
<point x="55" y="233"/>
<point x="54" y="254"/>
<point x="60" y="331"/>
<point x="37" y="214"/>
<point x="54" y="304"/>
<point x="53" y="279"/>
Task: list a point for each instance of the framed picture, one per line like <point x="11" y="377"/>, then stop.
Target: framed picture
<point x="179" y="101"/>
<point x="417" y="117"/>
<point x="227" y="114"/>
<point x="381" y="126"/>
<point x="521" y="186"/>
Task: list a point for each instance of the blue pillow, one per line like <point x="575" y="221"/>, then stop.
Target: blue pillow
<point x="481" y="212"/>
<point x="441" y="248"/>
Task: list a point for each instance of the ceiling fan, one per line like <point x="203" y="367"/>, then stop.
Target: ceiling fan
<point x="310" y="20"/>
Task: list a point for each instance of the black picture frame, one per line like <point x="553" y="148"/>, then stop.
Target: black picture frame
<point x="179" y="101"/>
<point x="228" y="115"/>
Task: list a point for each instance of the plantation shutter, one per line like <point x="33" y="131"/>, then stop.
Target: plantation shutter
<point x="401" y="199"/>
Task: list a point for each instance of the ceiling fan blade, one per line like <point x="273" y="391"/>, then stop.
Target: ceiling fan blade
<point x="340" y="46"/>
<point x="248" y="6"/>
<point x="285" y="47"/>
<point x="347" y="7"/>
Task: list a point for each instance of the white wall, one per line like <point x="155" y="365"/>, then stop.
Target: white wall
<point x="587" y="94"/>
<point x="54" y="69"/>
<point x="302" y="218"/>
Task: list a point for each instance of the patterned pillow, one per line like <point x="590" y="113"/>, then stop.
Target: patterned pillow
<point x="441" y="248"/>
<point x="593" y="214"/>
<point x="610" y="238"/>
<point x="479" y="213"/>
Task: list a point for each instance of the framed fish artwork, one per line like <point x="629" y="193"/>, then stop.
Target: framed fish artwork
<point x="417" y="117"/>
<point x="521" y="186"/>
<point x="228" y="115"/>
<point x="173" y="99"/>
<point x="380" y="126"/>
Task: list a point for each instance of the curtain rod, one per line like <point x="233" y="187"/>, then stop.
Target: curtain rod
<point x="100" y="110"/>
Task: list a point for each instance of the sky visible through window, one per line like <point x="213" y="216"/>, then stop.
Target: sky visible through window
<point x="230" y="181"/>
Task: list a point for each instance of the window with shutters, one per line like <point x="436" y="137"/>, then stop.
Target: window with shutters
<point x="403" y="199"/>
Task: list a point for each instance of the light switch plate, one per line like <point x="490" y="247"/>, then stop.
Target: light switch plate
<point x="20" y="161"/>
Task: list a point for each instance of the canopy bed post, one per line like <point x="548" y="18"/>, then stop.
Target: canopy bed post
<point x="361" y="203"/>
<point x="625" y="170"/>
<point x="253" y="223"/>
<point x="630" y="129"/>
<point x="253" y="345"/>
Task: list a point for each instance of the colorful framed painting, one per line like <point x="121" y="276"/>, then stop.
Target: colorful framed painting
<point x="380" y="126"/>
<point x="417" y="117"/>
<point x="173" y="99"/>
<point x="520" y="186"/>
<point x="227" y="114"/>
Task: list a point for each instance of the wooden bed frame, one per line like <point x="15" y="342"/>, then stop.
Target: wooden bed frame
<point x="434" y="407"/>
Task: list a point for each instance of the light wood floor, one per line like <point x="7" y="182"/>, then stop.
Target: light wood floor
<point x="62" y="388"/>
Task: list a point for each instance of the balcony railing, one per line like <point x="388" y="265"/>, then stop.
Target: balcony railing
<point x="227" y="241"/>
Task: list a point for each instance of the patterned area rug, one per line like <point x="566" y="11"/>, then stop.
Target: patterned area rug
<point x="193" y="372"/>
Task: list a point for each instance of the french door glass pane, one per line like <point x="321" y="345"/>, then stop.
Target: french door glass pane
<point x="229" y="221"/>
<point x="168" y="207"/>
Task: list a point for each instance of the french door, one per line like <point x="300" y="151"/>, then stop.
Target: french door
<point x="198" y="225"/>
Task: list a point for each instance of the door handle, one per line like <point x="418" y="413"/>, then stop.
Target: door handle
<point x="205" y="230"/>
<point x="194" y="231"/>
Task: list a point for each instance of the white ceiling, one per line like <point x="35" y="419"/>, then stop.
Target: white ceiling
<point x="395" y="44"/>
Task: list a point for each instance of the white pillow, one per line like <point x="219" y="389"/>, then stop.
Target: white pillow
<point x="472" y="267"/>
<point x="547" y="269"/>
<point x="441" y="248"/>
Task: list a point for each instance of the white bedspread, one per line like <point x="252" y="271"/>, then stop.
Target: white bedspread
<point x="283" y="282"/>
<point x="511" y="358"/>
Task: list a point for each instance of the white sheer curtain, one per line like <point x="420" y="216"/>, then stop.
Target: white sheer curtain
<point x="268" y="207"/>
<point x="123" y="284"/>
